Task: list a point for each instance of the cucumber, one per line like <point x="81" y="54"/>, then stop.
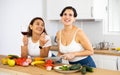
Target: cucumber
<point x="75" y="67"/>
<point x="88" y="69"/>
<point x="12" y="56"/>
<point x="83" y="70"/>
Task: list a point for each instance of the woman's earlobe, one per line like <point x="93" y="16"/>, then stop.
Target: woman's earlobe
<point x="31" y="27"/>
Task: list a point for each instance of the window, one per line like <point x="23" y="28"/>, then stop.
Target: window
<point x="113" y="19"/>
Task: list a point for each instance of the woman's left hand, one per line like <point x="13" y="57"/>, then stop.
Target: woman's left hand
<point x="68" y="56"/>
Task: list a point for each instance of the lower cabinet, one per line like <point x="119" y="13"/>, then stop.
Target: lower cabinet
<point x="106" y="61"/>
<point x="118" y="63"/>
<point x="102" y="61"/>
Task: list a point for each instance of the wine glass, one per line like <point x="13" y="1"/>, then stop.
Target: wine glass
<point x="24" y="29"/>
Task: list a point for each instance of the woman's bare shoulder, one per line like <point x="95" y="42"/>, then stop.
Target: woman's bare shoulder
<point x="78" y="29"/>
<point x="58" y="33"/>
<point x="81" y="33"/>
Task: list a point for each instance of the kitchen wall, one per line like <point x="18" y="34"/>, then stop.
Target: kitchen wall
<point x="14" y="13"/>
<point x="93" y="29"/>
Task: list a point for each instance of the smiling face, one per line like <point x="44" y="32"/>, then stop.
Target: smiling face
<point x="68" y="17"/>
<point x="37" y="27"/>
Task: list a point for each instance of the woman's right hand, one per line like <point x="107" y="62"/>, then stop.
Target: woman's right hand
<point x="25" y="40"/>
<point x="68" y="56"/>
<point x="43" y="39"/>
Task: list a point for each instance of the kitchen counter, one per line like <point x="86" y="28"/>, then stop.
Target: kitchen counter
<point x="103" y="52"/>
<point x="107" y="52"/>
<point x="34" y="70"/>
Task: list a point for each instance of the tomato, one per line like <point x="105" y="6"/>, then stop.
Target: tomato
<point x="49" y="61"/>
<point x="49" y="65"/>
<point x="20" y="61"/>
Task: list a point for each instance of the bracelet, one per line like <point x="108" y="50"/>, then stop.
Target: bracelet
<point x="40" y="47"/>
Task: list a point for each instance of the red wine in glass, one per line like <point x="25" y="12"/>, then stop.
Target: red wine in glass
<point x="24" y="33"/>
<point x="24" y="29"/>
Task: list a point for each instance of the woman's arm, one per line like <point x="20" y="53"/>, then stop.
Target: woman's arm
<point x="84" y="41"/>
<point x="59" y="53"/>
<point x="57" y="40"/>
<point x="45" y="43"/>
<point x="44" y="51"/>
<point x="24" y="51"/>
<point x="24" y="47"/>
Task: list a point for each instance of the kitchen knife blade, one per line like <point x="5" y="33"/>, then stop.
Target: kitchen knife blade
<point x="54" y="58"/>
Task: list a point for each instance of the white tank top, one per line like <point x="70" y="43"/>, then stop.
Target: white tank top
<point x="72" y="47"/>
<point x="33" y="48"/>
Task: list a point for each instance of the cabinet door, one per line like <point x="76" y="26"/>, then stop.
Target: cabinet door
<point x="105" y="61"/>
<point x="118" y="64"/>
<point x="109" y="62"/>
<point x="98" y="61"/>
<point x="83" y="8"/>
<point x="99" y="9"/>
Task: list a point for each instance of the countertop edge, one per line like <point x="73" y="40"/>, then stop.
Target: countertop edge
<point x="103" y="52"/>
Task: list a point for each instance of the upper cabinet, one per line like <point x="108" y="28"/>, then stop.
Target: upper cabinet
<point x="86" y="9"/>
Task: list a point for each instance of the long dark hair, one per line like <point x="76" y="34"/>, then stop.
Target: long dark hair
<point x="31" y="23"/>
<point x="71" y="8"/>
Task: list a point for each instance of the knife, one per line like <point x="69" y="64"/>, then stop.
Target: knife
<point x="53" y="58"/>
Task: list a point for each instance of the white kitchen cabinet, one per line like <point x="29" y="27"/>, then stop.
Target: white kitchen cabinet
<point x="109" y="62"/>
<point x="97" y="59"/>
<point x="118" y="63"/>
<point x="106" y="61"/>
<point x="86" y="9"/>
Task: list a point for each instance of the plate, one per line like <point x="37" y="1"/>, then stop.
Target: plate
<point x="57" y="68"/>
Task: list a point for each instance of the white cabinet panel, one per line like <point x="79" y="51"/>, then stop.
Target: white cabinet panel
<point x="97" y="59"/>
<point x="109" y="62"/>
<point x="105" y="61"/>
<point x="86" y="9"/>
<point x="118" y="63"/>
<point x="54" y="8"/>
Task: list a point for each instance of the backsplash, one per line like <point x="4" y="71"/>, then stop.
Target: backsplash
<point x="93" y="29"/>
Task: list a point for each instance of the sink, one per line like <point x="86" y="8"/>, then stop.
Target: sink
<point x="11" y="72"/>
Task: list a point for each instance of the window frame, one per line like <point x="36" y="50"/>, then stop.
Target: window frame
<point x="106" y="23"/>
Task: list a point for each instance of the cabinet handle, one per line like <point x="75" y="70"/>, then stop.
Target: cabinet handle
<point x="106" y="8"/>
<point x="117" y="64"/>
<point x="91" y="11"/>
